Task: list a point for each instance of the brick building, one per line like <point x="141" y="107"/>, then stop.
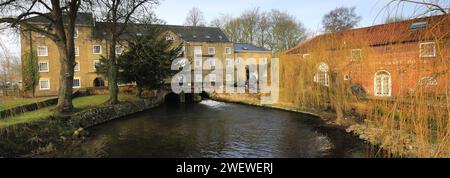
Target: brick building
<point x="386" y="60"/>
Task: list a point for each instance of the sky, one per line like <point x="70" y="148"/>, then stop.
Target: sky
<point x="309" y="12"/>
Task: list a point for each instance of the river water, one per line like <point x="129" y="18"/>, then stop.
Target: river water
<point x="213" y="129"/>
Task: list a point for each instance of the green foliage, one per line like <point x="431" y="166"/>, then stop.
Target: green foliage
<point x="148" y="60"/>
<point x="30" y="71"/>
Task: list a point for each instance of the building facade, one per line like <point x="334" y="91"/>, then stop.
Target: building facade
<point x="387" y="60"/>
<point x="91" y="44"/>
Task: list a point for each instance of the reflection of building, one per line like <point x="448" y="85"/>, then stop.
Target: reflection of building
<point x="387" y="60"/>
<point x="92" y="43"/>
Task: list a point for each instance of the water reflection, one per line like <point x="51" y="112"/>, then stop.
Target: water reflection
<point x="220" y="130"/>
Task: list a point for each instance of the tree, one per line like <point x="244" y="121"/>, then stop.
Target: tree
<point x="342" y="18"/>
<point x="274" y="30"/>
<point x="195" y="18"/>
<point x="148" y="60"/>
<point x="30" y="72"/>
<point x="119" y="16"/>
<point x="60" y="29"/>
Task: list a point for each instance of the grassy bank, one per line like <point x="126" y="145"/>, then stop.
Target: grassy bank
<point x="80" y="104"/>
<point x="12" y="102"/>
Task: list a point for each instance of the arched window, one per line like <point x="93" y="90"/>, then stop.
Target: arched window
<point x="322" y="77"/>
<point x="383" y="84"/>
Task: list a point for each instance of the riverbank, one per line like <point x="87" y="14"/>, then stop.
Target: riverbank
<point x="52" y="134"/>
<point x="351" y="124"/>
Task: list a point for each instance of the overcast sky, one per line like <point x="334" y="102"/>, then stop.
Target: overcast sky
<point x="309" y="12"/>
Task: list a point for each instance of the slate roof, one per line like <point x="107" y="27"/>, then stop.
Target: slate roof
<point x="83" y="18"/>
<point x="243" y="47"/>
<point x="384" y="34"/>
<point x="187" y="33"/>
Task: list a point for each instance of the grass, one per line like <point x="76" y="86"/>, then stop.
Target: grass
<point x="80" y="104"/>
<point x="8" y="103"/>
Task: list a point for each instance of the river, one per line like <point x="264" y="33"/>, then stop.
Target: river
<point x="214" y="129"/>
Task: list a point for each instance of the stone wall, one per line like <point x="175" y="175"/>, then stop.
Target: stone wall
<point x="96" y="116"/>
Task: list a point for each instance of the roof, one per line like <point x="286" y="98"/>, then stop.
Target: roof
<point x="244" y="47"/>
<point x="391" y="33"/>
<point x="187" y="33"/>
<point x="83" y="18"/>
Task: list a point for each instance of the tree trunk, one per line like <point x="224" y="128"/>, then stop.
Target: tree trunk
<point x="112" y="73"/>
<point x="65" y="80"/>
<point x="139" y="91"/>
<point x="335" y="99"/>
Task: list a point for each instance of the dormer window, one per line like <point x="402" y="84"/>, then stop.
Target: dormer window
<point x="418" y="25"/>
<point x="207" y="37"/>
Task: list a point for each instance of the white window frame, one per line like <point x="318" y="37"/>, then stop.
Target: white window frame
<point x="77" y="69"/>
<point x="212" y="62"/>
<point x="229" y="77"/>
<point x="305" y="56"/>
<point x="93" y="64"/>
<point x="75" y="33"/>
<point x="352" y="58"/>
<point x="39" y="66"/>
<point x="121" y="49"/>
<point x="198" y="78"/>
<point x="263" y="61"/>
<point x="421" y="50"/>
<point x="198" y="51"/>
<point x="79" y="82"/>
<point x="213" y="50"/>
<point x="93" y="49"/>
<point x="228" y="50"/>
<point x="77" y="51"/>
<point x="346" y="77"/>
<point x="45" y="53"/>
<point x="40" y="84"/>
<point x="229" y="62"/>
<point x="382" y="88"/>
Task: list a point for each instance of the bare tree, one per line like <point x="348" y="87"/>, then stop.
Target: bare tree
<point x="119" y="14"/>
<point x="59" y="28"/>
<point x="341" y="18"/>
<point x="195" y="18"/>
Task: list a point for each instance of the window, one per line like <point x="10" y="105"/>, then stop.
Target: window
<point x="198" y="63"/>
<point x="229" y="77"/>
<point x="212" y="62"/>
<point x="97" y="49"/>
<point x="428" y="49"/>
<point x="42" y="51"/>
<point x="322" y="77"/>
<point x="75" y="33"/>
<point x="229" y="62"/>
<point x="77" y="51"/>
<point x="238" y="61"/>
<point x="76" y="82"/>
<point x="212" y="77"/>
<point x="306" y="56"/>
<point x="263" y="61"/>
<point x="138" y="34"/>
<point x="77" y="66"/>
<point x="383" y="84"/>
<point x="96" y="64"/>
<point x="428" y="81"/>
<point x="346" y="77"/>
<point x="43" y="67"/>
<point x="228" y="50"/>
<point x="119" y="49"/>
<point x="211" y="50"/>
<point x="198" y="78"/>
<point x="418" y="25"/>
<point x="198" y="51"/>
<point x="355" y="55"/>
<point x="44" y="84"/>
